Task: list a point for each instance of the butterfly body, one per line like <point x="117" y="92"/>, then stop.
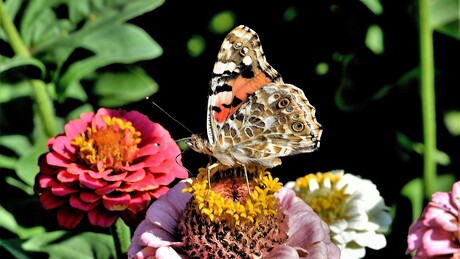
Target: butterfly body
<point x="253" y="116"/>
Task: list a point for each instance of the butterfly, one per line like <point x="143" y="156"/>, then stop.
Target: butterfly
<point x="253" y="117"/>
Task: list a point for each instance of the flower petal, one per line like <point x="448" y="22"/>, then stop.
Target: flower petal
<point x="69" y="217"/>
<point x="101" y="217"/>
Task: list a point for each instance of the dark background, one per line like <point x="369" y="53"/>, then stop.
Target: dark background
<point x="361" y="138"/>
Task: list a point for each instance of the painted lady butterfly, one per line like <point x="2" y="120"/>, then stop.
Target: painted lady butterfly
<point x="253" y="116"/>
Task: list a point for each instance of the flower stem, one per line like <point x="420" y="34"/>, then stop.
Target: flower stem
<point x="427" y="97"/>
<point x="42" y="98"/>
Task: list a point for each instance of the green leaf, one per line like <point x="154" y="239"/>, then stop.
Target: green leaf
<point x="21" y="67"/>
<point x="96" y="16"/>
<point x="17" y="143"/>
<point x="7" y="220"/>
<point x="75" y="114"/>
<point x="374" y="5"/>
<point x="115" y="44"/>
<point x="120" y="88"/>
<point x="196" y="45"/>
<point x="8" y="162"/>
<point x="20" y="185"/>
<point x="413" y="190"/>
<point x="10" y="92"/>
<point x="61" y="244"/>
<point x="452" y="122"/>
<point x="13" y="246"/>
<point x="123" y="234"/>
<point x="27" y="166"/>
<point x="222" y="22"/>
<point x="40" y="23"/>
<point x="374" y="39"/>
<point x="11" y="7"/>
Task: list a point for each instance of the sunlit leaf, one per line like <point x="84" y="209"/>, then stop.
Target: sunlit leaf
<point x="115" y="44"/>
<point x="27" y="166"/>
<point x="196" y="45"/>
<point x="20" y="67"/>
<point x="222" y="22"/>
<point x="20" y="144"/>
<point x="7" y="220"/>
<point x="12" y="7"/>
<point x="120" y="88"/>
<point x="374" y="39"/>
<point x="124" y="234"/>
<point x="102" y="14"/>
<point x="374" y="5"/>
<point x="452" y="122"/>
<point x="413" y="190"/>
<point x="61" y="244"/>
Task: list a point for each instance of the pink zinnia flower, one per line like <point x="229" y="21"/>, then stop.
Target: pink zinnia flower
<point x="294" y="231"/>
<point x="436" y="233"/>
<point x="107" y="165"/>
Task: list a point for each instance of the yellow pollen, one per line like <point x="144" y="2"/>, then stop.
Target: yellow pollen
<point x="327" y="200"/>
<point x="108" y="148"/>
<point x="261" y="203"/>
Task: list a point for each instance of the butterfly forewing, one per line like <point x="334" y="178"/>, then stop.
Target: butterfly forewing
<point x="253" y="116"/>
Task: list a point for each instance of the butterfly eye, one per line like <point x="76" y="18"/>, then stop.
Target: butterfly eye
<point x="283" y="103"/>
<point x="289" y="109"/>
<point x="295" y="116"/>
<point x="297" y="126"/>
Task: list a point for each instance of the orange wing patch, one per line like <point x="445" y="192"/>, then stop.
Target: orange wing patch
<point x="227" y="103"/>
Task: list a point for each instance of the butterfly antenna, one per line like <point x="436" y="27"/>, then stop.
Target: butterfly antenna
<point x="185" y="168"/>
<point x="171" y="117"/>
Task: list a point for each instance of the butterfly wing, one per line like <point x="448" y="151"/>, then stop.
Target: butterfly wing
<point x="240" y="70"/>
<point x="276" y="121"/>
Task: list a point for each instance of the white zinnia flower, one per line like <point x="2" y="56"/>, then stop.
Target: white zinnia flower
<point x="351" y="206"/>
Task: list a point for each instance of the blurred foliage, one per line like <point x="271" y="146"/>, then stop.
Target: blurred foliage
<point x="356" y="60"/>
<point x="86" y="55"/>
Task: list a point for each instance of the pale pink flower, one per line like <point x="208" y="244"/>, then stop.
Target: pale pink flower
<point x="156" y="236"/>
<point x="436" y="233"/>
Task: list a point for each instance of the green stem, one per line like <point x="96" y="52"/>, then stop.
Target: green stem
<point x="427" y="97"/>
<point x="42" y="99"/>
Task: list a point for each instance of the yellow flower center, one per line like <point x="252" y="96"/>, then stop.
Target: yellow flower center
<point x="228" y="201"/>
<point x="327" y="200"/>
<point x="112" y="147"/>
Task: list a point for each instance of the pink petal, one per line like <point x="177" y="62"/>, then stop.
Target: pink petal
<point x="74" y="128"/>
<point x="116" y="203"/>
<point x="139" y="201"/>
<point x="146" y="184"/>
<point x="66" y="177"/>
<point x="102" y="217"/>
<point x="284" y="251"/>
<point x="62" y="190"/>
<point x="55" y="159"/>
<point x="107" y="188"/>
<point x="69" y="217"/>
<point x="89" y="196"/>
<point x="90" y="182"/>
<point x="63" y="147"/>
<point x="115" y="177"/>
<point x="437" y="242"/>
<point x="49" y="201"/>
<point x="77" y="203"/>
<point x="135" y="176"/>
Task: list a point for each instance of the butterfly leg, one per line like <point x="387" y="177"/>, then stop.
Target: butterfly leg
<point x="246" y="176"/>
